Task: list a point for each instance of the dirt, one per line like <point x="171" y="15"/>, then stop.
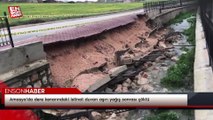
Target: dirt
<point x="67" y="60"/>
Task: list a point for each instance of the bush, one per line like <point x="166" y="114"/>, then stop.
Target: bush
<point x="191" y="31"/>
<point x="179" y="18"/>
<point x="177" y="73"/>
<point x="164" y="116"/>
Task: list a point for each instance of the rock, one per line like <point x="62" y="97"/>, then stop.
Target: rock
<point x="142" y="81"/>
<point x="136" y="50"/>
<point x="145" y="75"/>
<point x="154" y="77"/>
<point x="169" y="54"/>
<point x="37" y="84"/>
<point x="126" y="60"/>
<point x="162" y="45"/>
<point x="124" y="84"/>
<point x="133" y="85"/>
<point x="124" y="114"/>
<point x="184" y="52"/>
<point x="128" y="81"/>
<point x="137" y="56"/>
<point x="155" y="68"/>
<point x="164" y="90"/>
<point x="148" y="64"/>
<point x="164" y="68"/>
<point x="83" y="118"/>
<point x="108" y="90"/>
<point x="29" y="86"/>
<point x="118" y="89"/>
<point x="96" y="115"/>
<point x="160" y="58"/>
<point x="112" y="117"/>
<point x="116" y="71"/>
<point x="164" y="64"/>
<point x="175" y="58"/>
<point x="147" y="88"/>
<point x="136" y="78"/>
<point x="125" y="89"/>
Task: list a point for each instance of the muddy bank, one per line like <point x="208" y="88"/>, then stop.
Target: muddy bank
<point x="67" y="60"/>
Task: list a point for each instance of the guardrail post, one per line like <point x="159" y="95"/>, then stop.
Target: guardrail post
<point x="8" y="29"/>
<point x="181" y="3"/>
<point x="160" y="9"/>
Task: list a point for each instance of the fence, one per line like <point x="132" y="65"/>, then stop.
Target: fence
<point x="4" y="38"/>
<point x="162" y="5"/>
<point x="207" y="21"/>
<point x="5" y="33"/>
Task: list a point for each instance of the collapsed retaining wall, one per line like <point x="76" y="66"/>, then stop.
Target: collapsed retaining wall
<point x="203" y="75"/>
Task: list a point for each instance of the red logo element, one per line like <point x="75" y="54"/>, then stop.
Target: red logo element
<point x="16" y="114"/>
<point x="15" y="11"/>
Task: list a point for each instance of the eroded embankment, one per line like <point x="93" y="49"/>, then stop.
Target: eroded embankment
<point x="85" y="61"/>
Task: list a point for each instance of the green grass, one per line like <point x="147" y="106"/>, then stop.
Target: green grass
<point x="191" y="31"/>
<point x="179" y="18"/>
<point x="163" y="115"/>
<point x="177" y="73"/>
<point x="41" y="12"/>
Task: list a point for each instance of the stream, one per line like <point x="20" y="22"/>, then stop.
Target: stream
<point x="159" y="68"/>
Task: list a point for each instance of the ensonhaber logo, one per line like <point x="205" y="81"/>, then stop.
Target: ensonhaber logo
<point x="24" y="91"/>
<point x="16" y="114"/>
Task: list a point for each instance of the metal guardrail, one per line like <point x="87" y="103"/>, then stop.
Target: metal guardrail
<point x="5" y="33"/>
<point x="4" y="38"/>
<point x="162" y="5"/>
<point x="208" y="28"/>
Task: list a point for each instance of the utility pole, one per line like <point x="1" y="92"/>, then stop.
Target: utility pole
<point x="8" y="29"/>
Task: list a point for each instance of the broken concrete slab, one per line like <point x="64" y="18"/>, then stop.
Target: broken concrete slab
<point x="99" y="83"/>
<point x="116" y="71"/>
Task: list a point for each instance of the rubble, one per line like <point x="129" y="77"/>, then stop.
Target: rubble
<point x="118" y="89"/>
<point x="108" y="90"/>
<point x="125" y="90"/>
<point x="115" y="71"/>
<point x="175" y="58"/>
<point x="112" y="117"/>
<point x="147" y="88"/>
<point x="162" y="45"/>
<point x="128" y="81"/>
<point x="126" y="60"/>
<point x="96" y="115"/>
<point x="133" y="85"/>
<point x="125" y="84"/>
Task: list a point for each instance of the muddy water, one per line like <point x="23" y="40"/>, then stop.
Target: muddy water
<point x="159" y="68"/>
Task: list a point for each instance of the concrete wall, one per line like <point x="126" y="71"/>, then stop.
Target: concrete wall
<point x="25" y="66"/>
<point x="165" y="17"/>
<point x="19" y="56"/>
<point x="203" y="76"/>
<point x="33" y="75"/>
